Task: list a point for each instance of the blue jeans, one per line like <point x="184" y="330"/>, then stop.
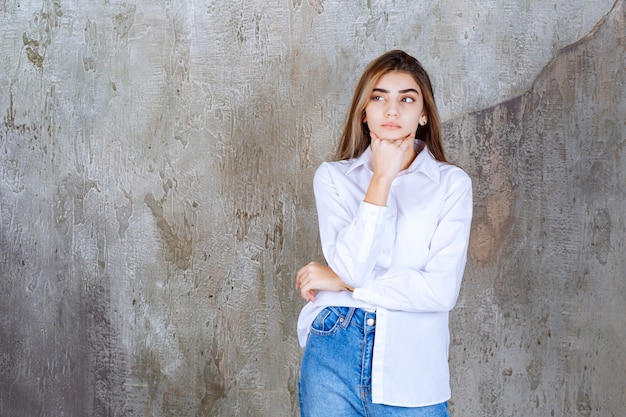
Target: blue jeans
<point x="336" y="369"/>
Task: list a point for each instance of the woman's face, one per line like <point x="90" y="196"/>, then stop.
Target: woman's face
<point x="396" y="107"/>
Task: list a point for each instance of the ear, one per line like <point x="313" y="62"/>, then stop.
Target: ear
<point x="423" y="120"/>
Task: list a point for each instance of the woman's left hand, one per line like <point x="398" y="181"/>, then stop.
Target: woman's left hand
<point x="315" y="277"/>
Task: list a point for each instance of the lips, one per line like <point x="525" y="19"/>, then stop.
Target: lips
<point x="391" y="125"/>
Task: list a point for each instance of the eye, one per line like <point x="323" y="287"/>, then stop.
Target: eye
<point x="408" y="99"/>
<point x="377" y="98"/>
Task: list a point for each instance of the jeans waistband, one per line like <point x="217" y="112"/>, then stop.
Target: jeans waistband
<point x="356" y="316"/>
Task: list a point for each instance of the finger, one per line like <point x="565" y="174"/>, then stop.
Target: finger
<point x="400" y="143"/>
<point x="308" y="287"/>
<point x="375" y="140"/>
<point x="307" y="282"/>
<point x="308" y="294"/>
<point x="302" y="280"/>
<point x="300" y="276"/>
<point x="304" y="271"/>
<point x="407" y="143"/>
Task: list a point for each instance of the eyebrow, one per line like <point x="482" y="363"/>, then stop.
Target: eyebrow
<point x="408" y="90"/>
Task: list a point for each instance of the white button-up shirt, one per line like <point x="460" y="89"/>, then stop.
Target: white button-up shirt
<point x="405" y="260"/>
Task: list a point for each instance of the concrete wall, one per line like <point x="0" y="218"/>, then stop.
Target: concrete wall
<point x="156" y="160"/>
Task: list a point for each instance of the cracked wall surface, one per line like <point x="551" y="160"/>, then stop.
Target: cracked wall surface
<point x="156" y="163"/>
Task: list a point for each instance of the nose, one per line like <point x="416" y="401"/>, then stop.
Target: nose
<point x="392" y="109"/>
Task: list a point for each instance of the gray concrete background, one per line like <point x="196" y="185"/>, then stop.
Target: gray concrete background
<point x="156" y="160"/>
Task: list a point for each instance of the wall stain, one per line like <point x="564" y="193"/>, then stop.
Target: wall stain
<point x="177" y="237"/>
<point x="244" y="220"/>
<point x="68" y="202"/>
<point x="317" y="5"/>
<point x="601" y="235"/>
<point x="493" y="144"/>
<point x="212" y="380"/>
<point x="101" y="345"/>
<point x="123" y="213"/>
<point x="47" y="20"/>
<point x="124" y="20"/>
<point x="90" y="51"/>
<point x="32" y="51"/>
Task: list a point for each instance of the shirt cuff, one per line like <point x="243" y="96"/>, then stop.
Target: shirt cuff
<point x="362" y="294"/>
<point x="370" y="217"/>
<point x="371" y="213"/>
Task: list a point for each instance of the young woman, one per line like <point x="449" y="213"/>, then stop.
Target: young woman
<point x="394" y="221"/>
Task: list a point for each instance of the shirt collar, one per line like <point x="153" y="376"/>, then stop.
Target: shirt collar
<point x="423" y="162"/>
<point x="364" y="160"/>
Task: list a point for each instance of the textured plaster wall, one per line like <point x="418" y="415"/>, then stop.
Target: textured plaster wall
<point x="156" y="160"/>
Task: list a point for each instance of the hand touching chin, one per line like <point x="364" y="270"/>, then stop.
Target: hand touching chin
<point x="390" y="137"/>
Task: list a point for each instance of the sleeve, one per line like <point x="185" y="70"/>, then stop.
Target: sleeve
<point x="434" y="288"/>
<point x="352" y="232"/>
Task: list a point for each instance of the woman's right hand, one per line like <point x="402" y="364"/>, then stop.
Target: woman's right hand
<point x="389" y="157"/>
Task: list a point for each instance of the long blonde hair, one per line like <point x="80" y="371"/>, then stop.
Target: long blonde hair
<point x="356" y="136"/>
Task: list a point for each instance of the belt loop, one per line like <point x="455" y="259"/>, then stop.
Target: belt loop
<point x="348" y="317"/>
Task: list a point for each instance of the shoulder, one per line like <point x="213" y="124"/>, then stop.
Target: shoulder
<point x="327" y="170"/>
<point x="450" y="170"/>
<point x="454" y="176"/>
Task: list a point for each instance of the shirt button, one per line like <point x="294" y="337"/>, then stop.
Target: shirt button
<point x="370" y="322"/>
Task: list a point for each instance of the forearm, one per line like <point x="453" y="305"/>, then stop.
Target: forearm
<point x="407" y="289"/>
<point x="378" y="190"/>
<point x="353" y="231"/>
<point x="354" y="251"/>
<point x="430" y="279"/>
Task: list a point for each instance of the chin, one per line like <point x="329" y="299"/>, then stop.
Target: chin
<point x="393" y="139"/>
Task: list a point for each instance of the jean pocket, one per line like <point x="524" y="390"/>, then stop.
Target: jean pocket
<point x="327" y="321"/>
